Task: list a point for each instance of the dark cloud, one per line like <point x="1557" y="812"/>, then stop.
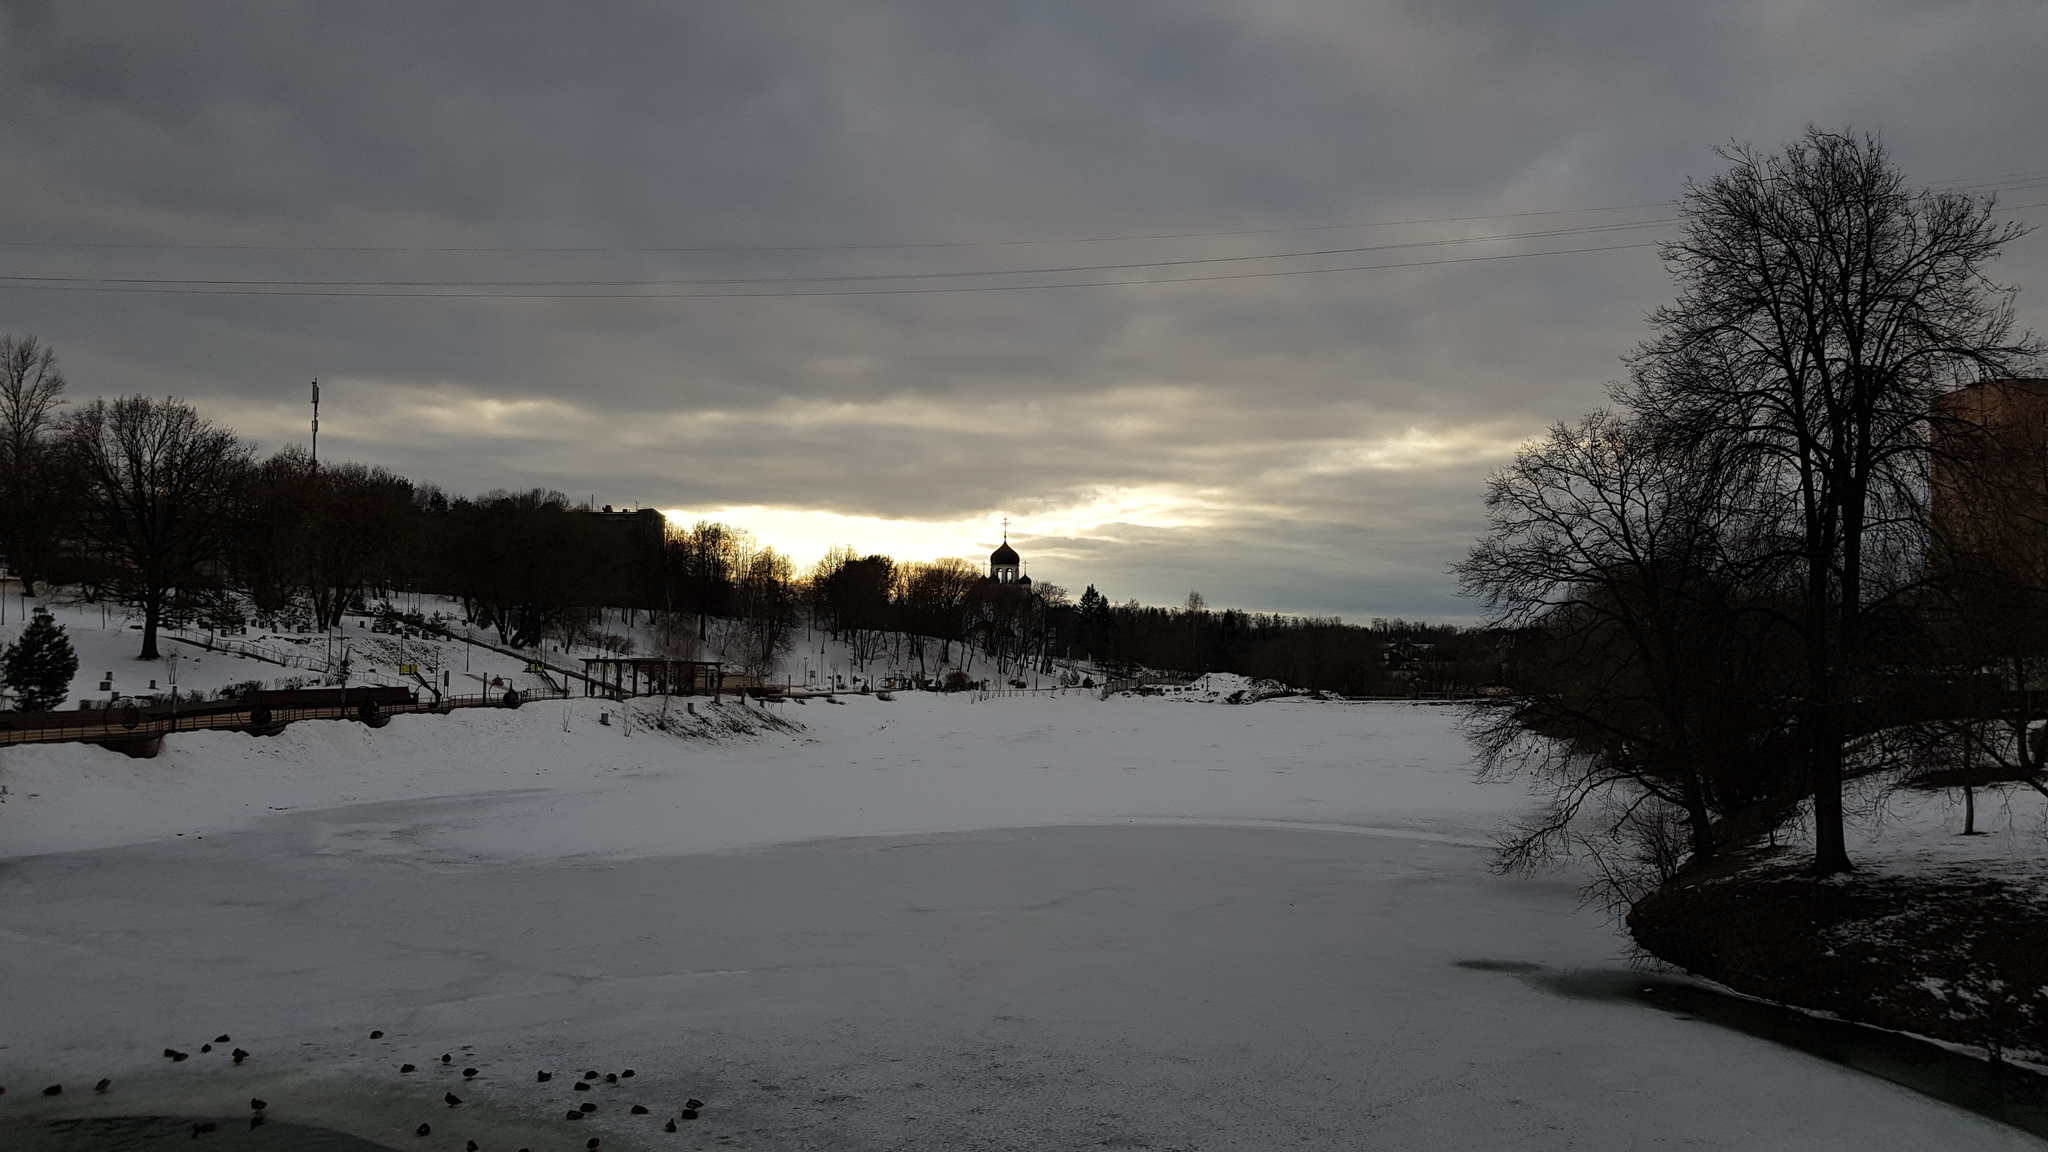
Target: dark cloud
<point x="1312" y="442"/>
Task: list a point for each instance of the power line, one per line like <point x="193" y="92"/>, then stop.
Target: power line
<point x="843" y="278"/>
<point x="819" y="292"/>
<point x="1989" y="183"/>
<point x="1994" y="176"/>
<point x="729" y="248"/>
<point x="198" y="286"/>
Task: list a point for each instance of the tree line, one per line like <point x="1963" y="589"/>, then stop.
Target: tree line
<point x="142" y="501"/>
<point x="934" y="607"/>
<point x="1785" y="567"/>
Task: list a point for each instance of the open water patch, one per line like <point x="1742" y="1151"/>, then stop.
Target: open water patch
<point x="2004" y="1092"/>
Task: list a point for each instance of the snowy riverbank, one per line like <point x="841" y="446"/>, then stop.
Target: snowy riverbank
<point x="1039" y="922"/>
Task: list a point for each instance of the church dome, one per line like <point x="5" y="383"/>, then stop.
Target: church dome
<point x="1005" y="555"/>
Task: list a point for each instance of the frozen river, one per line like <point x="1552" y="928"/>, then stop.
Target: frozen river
<point x="925" y="923"/>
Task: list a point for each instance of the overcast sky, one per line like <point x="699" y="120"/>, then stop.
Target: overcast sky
<point x="834" y="211"/>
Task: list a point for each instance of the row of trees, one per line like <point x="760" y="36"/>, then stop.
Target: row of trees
<point x="869" y="599"/>
<point x="142" y="501"/>
<point x="1742" y="588"/>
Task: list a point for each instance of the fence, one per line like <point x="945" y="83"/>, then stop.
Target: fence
<point x="980" y="694"/>
<point x="1131" y="683"/>
<point x="139" y="730"/>
<point x="537" y="662"/>
<point x="271" y="654"/>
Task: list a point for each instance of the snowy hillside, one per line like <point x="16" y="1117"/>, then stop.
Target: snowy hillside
<point x="463" y="659"/>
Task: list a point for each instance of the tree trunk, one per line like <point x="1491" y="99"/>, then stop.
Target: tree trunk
<point x="1830" y="850"/>
<point x="150" y="614"/>
<point x="1697" y="815"/>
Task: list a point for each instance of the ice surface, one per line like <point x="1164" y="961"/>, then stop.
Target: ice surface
<point x="933" y="923"/>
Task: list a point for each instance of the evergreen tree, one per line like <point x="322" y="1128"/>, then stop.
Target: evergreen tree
<point x="38" y="667"/>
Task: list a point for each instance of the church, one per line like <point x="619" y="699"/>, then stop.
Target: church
<point x="1005" y="567"/>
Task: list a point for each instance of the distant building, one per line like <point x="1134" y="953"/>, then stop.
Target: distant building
<point x="1006" y="567"/>
<point x="629" y="515"/>
<point x="1990" y="478"/>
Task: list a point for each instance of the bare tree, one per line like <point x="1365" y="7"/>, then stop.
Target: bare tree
<point x="1823" y="304"/>
<point x="703" y="565"/>
<point x="764" y="598"/>
<point x="1614" y="549"/>
<point x="358" y="521"/>
<point x="31" y="389"/>
<point x="934" y="599"/>
<point x="158" y="489"/>
<point x="520" y="560"/>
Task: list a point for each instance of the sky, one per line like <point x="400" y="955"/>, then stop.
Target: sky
<point x="1245" y="298"/>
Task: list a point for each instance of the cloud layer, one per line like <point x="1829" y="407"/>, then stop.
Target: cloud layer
<point x="1308" y="442"/>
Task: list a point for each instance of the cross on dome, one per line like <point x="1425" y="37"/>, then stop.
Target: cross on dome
<point x="1004" y="565"/>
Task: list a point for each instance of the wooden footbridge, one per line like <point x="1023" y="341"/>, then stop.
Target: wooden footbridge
<point x="139" y="729"/>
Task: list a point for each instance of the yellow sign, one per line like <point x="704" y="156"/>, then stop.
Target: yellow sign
<point x="534" y="666"/>
<point x="408" y="669"/>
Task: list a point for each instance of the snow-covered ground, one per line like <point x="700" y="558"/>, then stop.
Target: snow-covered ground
<point x="107" y="642"/>
<point x="928" y="922"/>
<point x="462" y="658"/>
